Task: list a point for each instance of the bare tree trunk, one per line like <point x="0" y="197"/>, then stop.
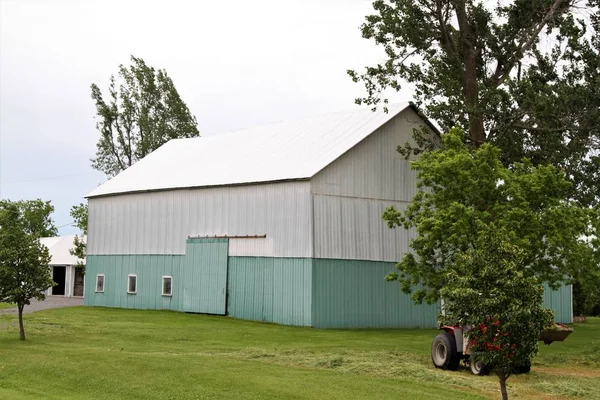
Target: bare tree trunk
<point x="21" y="328"/>
<point x="502" y="379"/>
<point x="470" y="83"/>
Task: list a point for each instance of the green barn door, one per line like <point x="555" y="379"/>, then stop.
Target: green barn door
<point x="205" y="276"/>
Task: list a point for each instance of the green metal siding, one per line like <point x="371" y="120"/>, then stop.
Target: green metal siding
<point x="149" y="270"/>
<point x="560" y="301"/>
<point x="204" y="276"/>
<point x="354" y="294"/>
<point x="270" y="289"/>
<point x="324" y="293"/>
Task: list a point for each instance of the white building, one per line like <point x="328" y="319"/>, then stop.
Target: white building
<point x="69" y="279"/>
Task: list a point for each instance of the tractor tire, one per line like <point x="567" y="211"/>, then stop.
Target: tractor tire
<point x="477" y="367"/>
<point x="443" y="352"/>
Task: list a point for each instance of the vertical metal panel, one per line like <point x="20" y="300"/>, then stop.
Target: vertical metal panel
<point x="561" y="302"/>
<point x="149" y="271"/>
<point x="205" y="276"/>
<point x="160" y="222"/>
<point x="271" y="289"/>
<point x="351" y="228"/>
<point x="352" y="192"/>
<point x="374" y="169"/>
<point x="354" y="294"/>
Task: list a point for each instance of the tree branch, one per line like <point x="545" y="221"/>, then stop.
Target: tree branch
<point x="502" y="73"/>
<point x="540" y="129"/>
<point x="446" y="41"/>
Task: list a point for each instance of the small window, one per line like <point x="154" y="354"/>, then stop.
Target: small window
<point x="132" y="284"/>
<point x="100" y="283"/>
<point x="167" y="285"/>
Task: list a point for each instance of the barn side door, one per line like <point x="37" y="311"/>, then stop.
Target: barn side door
<point x="205" y="276"/>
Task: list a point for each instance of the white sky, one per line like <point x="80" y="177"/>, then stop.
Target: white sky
<point x="235" y="63"/>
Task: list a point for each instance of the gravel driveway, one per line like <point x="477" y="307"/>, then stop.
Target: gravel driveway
<point x="50" y="302"/>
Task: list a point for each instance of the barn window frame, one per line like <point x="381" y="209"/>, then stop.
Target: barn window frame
<point x="129" y="291"/>
<point x="163" y="279"/>
<point x="98" y="276"/>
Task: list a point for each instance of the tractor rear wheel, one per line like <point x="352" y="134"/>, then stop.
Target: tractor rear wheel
<point x="443" y="352"/>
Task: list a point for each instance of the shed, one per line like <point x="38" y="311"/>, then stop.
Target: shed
<point x="63" y="267"/>
<point x="279" y="223"/>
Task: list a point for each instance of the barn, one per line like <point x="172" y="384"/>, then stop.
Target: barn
<point x="278" y="223"/>
<point x="63" y="267"/>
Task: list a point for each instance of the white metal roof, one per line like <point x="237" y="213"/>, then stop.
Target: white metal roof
<point x="59" y="247"/>
<point x="285" y="150"/>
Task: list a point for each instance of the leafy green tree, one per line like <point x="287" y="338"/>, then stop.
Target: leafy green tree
<point x="37" y="218"/>
<point x="464" y="192"/>
<point x="79" y="213"/>
<point x="489" y="291"/>
<point x="521" y="74"/>
<point x="142" y="111"/>
<point x="24" y="271"/>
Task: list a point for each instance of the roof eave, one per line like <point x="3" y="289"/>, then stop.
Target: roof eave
<point x="198" y="187"/>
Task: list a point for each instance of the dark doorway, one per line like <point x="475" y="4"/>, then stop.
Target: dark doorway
<point x="58" y="276"/>
<point x="78" y="285"/>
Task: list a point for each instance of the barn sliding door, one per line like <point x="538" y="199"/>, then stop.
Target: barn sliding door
<point x="205" y="276"/>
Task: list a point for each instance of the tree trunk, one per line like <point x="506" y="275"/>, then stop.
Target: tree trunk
<point x="21" y="328"/>
<point x="502" y="379"/>
<point x="470" y="83"/>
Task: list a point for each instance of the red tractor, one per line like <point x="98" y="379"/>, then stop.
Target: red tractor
<point x="451" y="346"/>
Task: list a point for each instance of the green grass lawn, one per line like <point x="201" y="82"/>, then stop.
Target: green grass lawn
<point x="91" y="353"/>
<point x="6" y="305"/>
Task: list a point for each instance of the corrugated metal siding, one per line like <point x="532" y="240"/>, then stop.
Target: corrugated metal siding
<point x="352" y="229"/>
<point x="270" y="289"/>
<point x="349" y="196"/>
<point x="561" y="302"/>
<point x="205" y="276"/>
<point x="354" y="294"/>
<point x="160" y="222"/>
<point x="149" y="271"/>
<point x="374" y="169"/>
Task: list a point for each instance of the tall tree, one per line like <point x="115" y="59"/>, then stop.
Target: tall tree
<point x="24" y="271"/>
<point x="37" y="218"/>
<point x="522" y="74"/>
<point x="142" y="111"/>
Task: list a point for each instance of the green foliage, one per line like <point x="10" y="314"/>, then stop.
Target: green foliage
<point x="489" y="291"/>
<point x="24" y="271"/>
<point x="143" y="111"/>
<point x="36" y="217"/>
<point x="523" y="75"/>
<point x="463" y="193"/>
<point x="79" y="213"/>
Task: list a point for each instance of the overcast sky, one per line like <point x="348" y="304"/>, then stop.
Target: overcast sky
<point x="235" y="63"/>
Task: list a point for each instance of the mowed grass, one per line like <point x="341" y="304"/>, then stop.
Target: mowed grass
<point x="91" y="353"/>
<point x="6" y="305"/>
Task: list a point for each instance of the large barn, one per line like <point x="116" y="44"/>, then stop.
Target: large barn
<point x="279" y="223"/>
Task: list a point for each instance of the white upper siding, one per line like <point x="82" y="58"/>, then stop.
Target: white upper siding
<point x="351" y="193"/>
<point x="160" y="222"/>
